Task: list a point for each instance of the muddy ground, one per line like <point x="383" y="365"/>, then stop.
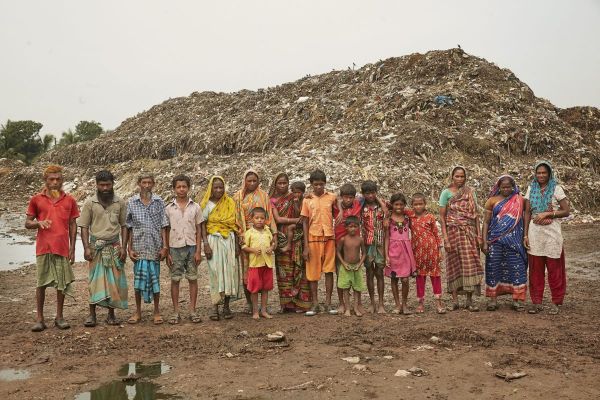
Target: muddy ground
<point x="560" y="354"/>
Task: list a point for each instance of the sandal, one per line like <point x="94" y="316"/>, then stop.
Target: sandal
<point x="38" y="327"/>
<point x="441" y="310"/>
<point x="61" y="324"/>
<point x="454" y="307"/>
<point x="227" y="314"/>
<point x="90" y="322"/>
<point x="534" y="309"/>
<point x="518" y="306"/>
<point x="553" y="309"/>
<point x="173" y="319"/>
<point x="314" y="310"/>
<point x="214" y="315"/>
<point x="158" y="320"/>
<point x="112" y="321"/>
<point x="472" y="308"/>
<point x="492" y="306"/>
<point x="134" y="319"/>
<point x="195" y="318"/>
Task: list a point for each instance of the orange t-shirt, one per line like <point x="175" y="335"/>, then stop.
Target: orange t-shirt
<point x="319" y="211"/>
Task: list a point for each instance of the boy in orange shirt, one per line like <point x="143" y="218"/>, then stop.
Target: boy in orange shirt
<point x="319" y="240"/>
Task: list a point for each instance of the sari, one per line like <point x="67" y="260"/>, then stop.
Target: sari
<point x="506" y="262"/>
<point x="245" y="202"/>
<point x="294" y="290"/>
<point x="463" y="265"/>
<point x="221" y="226"/>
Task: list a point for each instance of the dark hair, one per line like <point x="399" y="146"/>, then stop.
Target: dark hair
<point x="548" y="168"/>
<point x="317" y="175"/>
<point x="347" y="189"/>
<point x="456" y="169"/>
<point x="258" y="210"/>
<point x="182" y="178"/>
<point x="419" y="196"/>
<point x="368" y="187"/>
<point x="351" y="219"/>
<point x="104" y="176"/>
<point x="145" y="175"/>
<point x="298" y="185"/>
<point x="397" y="197"/>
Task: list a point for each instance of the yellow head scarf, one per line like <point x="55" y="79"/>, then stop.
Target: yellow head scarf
<point x="222" y="218"/>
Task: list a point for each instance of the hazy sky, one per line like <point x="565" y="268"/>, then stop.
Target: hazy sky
<point x="66" y="61"/>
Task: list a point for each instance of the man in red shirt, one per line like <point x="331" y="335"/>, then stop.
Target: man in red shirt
<point x="53" y="213"/>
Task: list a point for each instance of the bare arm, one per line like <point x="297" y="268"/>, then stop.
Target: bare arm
<point x="306" y="251"/>
<point x="85" y="238"/>
<point x="386" y="245"/>
<point x="443" y="212"/>
<point x="283" y="220"/>
<point x="338" y="251"/>
<point x="526" y="221"/>
<point x="31" y="223"/>
<point x="487" y="217"/>
<point x="72" y="239"/>
<point x="363" y="251"/>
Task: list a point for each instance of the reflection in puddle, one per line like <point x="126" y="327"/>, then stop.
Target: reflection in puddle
<point x="133" y="385"/>
<point x="14" y="374"/>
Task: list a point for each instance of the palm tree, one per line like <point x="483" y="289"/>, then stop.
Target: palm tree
<point x="48" y="141"/>
<point x="67" y="138"/>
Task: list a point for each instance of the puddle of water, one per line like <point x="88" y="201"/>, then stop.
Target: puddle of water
<point x="18" y="250"/>
<point x="130" y="389"/>
<point x="14" y="374"/>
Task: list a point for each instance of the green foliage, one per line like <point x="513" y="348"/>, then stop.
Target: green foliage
<point x="21" y="140"/>
<point x="85" y="130"/>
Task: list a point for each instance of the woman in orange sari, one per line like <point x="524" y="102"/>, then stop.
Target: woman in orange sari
<point x="246" y="199"/>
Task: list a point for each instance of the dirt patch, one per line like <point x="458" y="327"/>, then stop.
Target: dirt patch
<point x="234" y="360"/>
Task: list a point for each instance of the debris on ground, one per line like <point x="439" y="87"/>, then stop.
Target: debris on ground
<point x="352" y="360"/>
<point x="276" y="337"/>
<point x="509" y="376"/>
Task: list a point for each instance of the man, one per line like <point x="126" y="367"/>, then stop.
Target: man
<point x="102" y="224"/>
<point x="53" y="212"/>
<point x="147" y="222"/>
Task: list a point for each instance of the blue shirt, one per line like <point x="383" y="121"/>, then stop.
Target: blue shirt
<point x="146" y="222"/>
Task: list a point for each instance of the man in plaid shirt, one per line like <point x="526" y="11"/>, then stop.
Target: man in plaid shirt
<point x="146" y="222"/>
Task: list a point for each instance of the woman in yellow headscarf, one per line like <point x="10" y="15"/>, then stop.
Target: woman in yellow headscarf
<point x="219" y="231"/>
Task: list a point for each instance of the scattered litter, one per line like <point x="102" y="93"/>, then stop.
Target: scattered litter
<point x="423" y="348"/>
<point x="415" y="371"/>
<point x="229" y="355"/>
<point x="388" y="357"/>
<point x="435" y="339"/>
<point x="276" y="337"/>
<point x="360" y="367"/>
<point x="352" y="360"/>
<point x="301" y="386"/>
<point x="509" y="376"/>
<point x="402" y="373"/>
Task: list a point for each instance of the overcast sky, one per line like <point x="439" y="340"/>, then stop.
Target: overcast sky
<point x="66" y="61"/>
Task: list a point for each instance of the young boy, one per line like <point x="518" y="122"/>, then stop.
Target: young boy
<point x="319" y="243"/>
<point x="183" y="239"/>
<point x="351" y="254"/>
<point x="373" y="215"/>
<point x="350" y="206"/>
<point x="260" y="244"/>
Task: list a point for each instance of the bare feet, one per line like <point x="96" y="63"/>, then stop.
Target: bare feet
<point x="372" y="309"/>
<point x="265" y="314"/>
<point x="397" y="310"/>
<point x="360" y="309"/>
<point x="357" y="312"/>
<point x="405" y="310"/>
<point x="135" y="318"/>
<point x="255" y="316"/>
<point x="342" y="309"/>
<point x="420" y="308"/>
<point x="381" y="309"/>
<point x="347" y="313"/>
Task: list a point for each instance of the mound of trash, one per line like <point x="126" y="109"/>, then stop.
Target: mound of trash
<point x="403" y="122"/>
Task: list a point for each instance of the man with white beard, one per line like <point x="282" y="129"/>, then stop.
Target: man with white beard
<point x="146" y="222"/>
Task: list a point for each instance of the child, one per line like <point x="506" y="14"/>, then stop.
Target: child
<point x="426" y="245"/>
<point x="351" y="255"/>
<point x="399" y="259"/>
<point x="260" y="244"/>
<point x="184" y="239"/>
<point x="373" y="214"/>
<point x="350" y="206"/>
<point x="319" y="243"/>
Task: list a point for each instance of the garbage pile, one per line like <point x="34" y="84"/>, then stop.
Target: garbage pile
<point x="403" y="122"/>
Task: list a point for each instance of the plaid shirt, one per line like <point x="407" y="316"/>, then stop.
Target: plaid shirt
<point x="146" y="222"/>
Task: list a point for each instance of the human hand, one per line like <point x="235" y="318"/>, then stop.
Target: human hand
<point x="170" y="261"/>
<point x="339" y="218"/>
<point x="306" y="253"/>
<point x="45" y="224"/>
<point x="485" y="248"/>
<point x="197" y="257"/>
<point x="208" y="251"/>
<point x="447" y="245"/>
<point x="122" y="254"/>
<point x="386" y="223"/>
<point x="163" y="253"/>
<point x="133" y="255"/>
<point x="87" y="254"/>
<point x="543" y="218"/>
<point x="72" y="255"/>
<point x="526" y="242"/>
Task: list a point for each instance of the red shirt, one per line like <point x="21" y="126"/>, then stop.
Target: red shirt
<point x="54" y="240"/>
<point x="355" y="210"/>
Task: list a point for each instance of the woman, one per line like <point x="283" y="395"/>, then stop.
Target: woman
<point x="545" y="201"/>
<point x="246" y="199"/>
<point x="219" y="234"/>
<point x="294" y="290"/>
<point x="460" y="231"/>
<point x="506" y="259"/>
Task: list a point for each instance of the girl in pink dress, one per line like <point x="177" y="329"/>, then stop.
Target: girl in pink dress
<point x="399" y="259"/>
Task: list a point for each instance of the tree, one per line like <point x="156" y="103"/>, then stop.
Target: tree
<point x="68" y="137"/>
<point x="21" y="140"/>
<point x="48" y="141"/>
<point x="88" y="130"/>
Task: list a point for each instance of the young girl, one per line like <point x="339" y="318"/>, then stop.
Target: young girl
<point x="426" y="245"/>
<point x="399" y="259"/>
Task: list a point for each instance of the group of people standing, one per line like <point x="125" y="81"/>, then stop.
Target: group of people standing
<point x="355" y="240"/>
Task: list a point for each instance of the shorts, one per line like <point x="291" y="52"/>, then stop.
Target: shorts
<point x="322" y="256"/>
<point x="351" y="279"/>
<point x="260" y="279"/>
<point x="374" y="255"/>
<point x="183" y="263"/>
